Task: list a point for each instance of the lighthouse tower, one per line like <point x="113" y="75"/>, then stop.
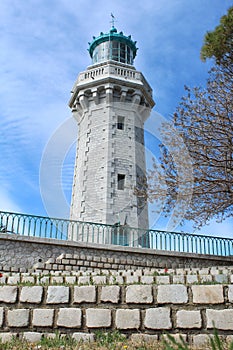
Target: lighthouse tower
<point x="110" y="101"/>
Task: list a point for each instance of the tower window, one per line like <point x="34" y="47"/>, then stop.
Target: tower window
<point x="120" y="181"/>
<point x="120" y="122"/>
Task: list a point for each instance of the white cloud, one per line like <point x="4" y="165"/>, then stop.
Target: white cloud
<point x="7" y="202"/>
<point x="44" y="47"/>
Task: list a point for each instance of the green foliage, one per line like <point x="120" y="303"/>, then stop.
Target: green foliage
<point x="215" y="343"/>
<point x="218" y="44"/>
<point x="109" y="339"/>
<point x="14" y="343"/>
<point x="112" y="341"/>
<point x="26" y="284"/>
<point x="58" y="341"/>
<point x="173" y="344"/>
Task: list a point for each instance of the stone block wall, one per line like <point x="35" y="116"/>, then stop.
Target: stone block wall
<point x="77" y="288"/>
<point x="20" y="253"/>
<point x="34" y="304"/>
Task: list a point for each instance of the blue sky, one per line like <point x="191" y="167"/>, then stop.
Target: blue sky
<point x="43" y="47"/>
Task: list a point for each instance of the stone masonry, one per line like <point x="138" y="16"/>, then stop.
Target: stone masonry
<point x="20" y="253"/>
<point x="140" y="292"/>
<point x="136" y="310"/>
<point x="110" y="102"/>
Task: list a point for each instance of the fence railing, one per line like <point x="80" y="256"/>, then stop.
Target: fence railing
<point x="45" y="227"/>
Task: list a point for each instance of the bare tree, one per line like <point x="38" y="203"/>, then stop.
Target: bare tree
<point x="204" y="121"/>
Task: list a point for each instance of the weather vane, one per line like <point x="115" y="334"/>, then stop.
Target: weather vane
<point x="113" y="20"/>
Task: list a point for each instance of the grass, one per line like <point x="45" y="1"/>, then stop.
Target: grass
<point x="111" y="341"/>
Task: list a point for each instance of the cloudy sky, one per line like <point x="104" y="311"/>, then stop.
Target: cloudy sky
<point x="43" y="47"/>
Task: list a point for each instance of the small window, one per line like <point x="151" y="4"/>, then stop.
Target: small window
<point x="120" y="182"/>
<point x="120" y="122"/>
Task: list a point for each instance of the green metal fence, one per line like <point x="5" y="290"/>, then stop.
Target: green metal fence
<point x="45" y="227"/>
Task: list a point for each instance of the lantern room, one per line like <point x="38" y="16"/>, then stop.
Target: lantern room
<point x="113" y="46"/>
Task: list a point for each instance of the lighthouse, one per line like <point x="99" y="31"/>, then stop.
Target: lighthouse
<point x="110" y="101"/>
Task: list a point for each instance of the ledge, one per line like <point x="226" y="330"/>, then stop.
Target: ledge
<point x="114" y="248"/>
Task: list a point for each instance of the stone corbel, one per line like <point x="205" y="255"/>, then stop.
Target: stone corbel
<point x="83" y="101"/>
<point x="109" y="94"/>
<point x="144" y="112"/>
<point x="136" y="99"/>
<point x="123" y="95"/>
<point x="95" y="96"/>
<point x="77" y="111"/>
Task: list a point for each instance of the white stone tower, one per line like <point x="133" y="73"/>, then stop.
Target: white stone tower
<point x="110" y="101"/>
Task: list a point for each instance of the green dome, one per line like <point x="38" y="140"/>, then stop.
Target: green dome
<point x="113" y="46"/>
